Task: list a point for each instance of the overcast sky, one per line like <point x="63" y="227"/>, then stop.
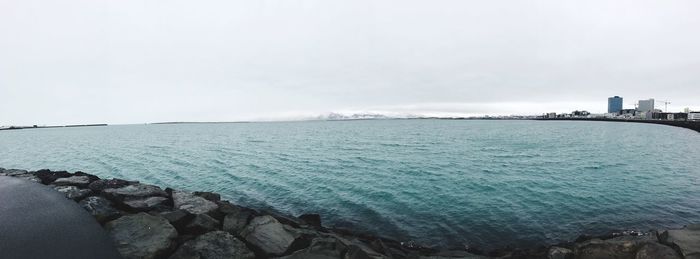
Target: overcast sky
<point x="135" y="61"/>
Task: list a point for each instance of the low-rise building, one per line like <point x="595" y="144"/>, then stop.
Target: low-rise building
<point x="694" y="116"/>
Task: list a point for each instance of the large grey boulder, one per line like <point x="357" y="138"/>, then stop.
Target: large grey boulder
<point x="14" y="172"/>
<point x="686" y="239"/>
<point x="201" y="223"/>
<point x="147" y="204"/>
<point x="192" y="203"/>
<point x="266" y="233"/>
<point x="320" y="248"/>
<point x="134" y="191"/>
<point x="100" y="208"/>
<point x="559" y="253"/>
<point x="72" y="192"/>
<point x="29" y="177"/>
<point x="234" y="223"/>
<point x="80" y="181"/>
<point x="213" y="245"/>
<point x="656" y="251"/>
<point x="619" y="247"/>
<point x="141" y="235"/>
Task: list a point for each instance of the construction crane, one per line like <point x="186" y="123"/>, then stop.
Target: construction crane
<point x="666" y="103"/>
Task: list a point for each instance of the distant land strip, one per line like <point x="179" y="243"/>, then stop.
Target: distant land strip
<point x="45" y="127"/>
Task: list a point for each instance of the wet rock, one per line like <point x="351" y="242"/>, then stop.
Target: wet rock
<point x="620" y="247"/>
<point x="313" y="220"/>
<point x="656" y="251"/>
<point x="201" y="223"/>
<point x="209" y="196"/>
<point x="101" y="184"/>
<point x="192" y="203"/>
<point x="147" y="204"/>
<point x="100" y="208"/>
<point x="359" y="252"/>
<point x="454" y="255"/>
<point x="14" y="172"/>
<point x="267" y="234"/>
<point x="687" y="240"/>
<point x="559" y="253"/>
<point x="72" y="192"/>
<point x="178" y="218"/>
<point x="320" y="248"/>
<point x="234" y="223"/>
<point x="28" y="177"/>
<point x="47" y="176"/>
<point x="141" y="235"/>
<point x="212" y="245"/>
<point x="135" y="191"/>
<point x="80" y="181"/>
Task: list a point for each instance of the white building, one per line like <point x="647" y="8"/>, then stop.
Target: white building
<point x="646" y="105"/>
<point x="694" y="116"/>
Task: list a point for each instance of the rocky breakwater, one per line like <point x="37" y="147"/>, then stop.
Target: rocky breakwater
<point x="146" y="221"/>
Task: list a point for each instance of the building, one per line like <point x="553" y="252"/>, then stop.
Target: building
<point x="614" y="104"/>
<point x="646" y="105"/>
<point x="669" y="116"/>
<point x="694" y="116"/>
<point x="686" y="110"/>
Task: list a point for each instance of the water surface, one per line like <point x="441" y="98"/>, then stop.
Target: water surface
<point x="437" y="182"/>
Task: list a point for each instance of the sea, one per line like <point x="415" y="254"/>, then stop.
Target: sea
<point x="441" y="183"/>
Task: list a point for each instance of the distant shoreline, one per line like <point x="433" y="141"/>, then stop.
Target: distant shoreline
<point x="692" y="125"/>
<point x="48" y="127"/>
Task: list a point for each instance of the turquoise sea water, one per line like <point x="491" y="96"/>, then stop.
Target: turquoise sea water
<point x="436" y="182"/>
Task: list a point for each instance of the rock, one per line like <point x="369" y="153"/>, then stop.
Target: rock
<point x="178" y="218"/>
<point x="101" y="184"/>
<point x="359" y="252"/>
<point x="209" y="196"/>
<point x="235" y="223"/>
<point x="135" y="191"/>
<point x="48" y="176"/>
<point x="559" y="253"/>
<point x="28" y="177"/>
<point x="357" y="248"/>
<point x="192" y="203"/>
<point x="619" y="247"/>
<point x="320" y="248"/>
<point x="100" y="208"/>
<point x="655" y="251"/>
<point x="80" y="181"/>
<point x="72" y="192"/>
<point x="141" y="235"/>
<point x="201" y="223"/>
<point x="147" y="204"/>
<point x="213" y="245"/>
<point x="456" y="255"/>
<point x="312" y="219"/>
<point x="15" y="172"/>
<point x="687" y="240"/>
<point x="266" y="233"/>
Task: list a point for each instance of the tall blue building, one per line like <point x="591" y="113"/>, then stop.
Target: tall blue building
<point x="614" y="104"/>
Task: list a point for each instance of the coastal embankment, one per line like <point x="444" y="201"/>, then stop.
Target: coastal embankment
<point x="147" y="221"/>
<point x="693" y="125"/>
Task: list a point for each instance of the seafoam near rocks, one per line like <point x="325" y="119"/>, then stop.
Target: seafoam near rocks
<point x="146" y="221"/>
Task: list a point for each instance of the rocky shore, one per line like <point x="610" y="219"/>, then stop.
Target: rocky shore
<point x="146" y="221"/>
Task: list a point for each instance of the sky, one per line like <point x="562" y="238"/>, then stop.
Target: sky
<point x="138" y="61"/>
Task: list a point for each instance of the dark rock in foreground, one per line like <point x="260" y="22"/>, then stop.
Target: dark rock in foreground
<point x="145" y="221"/>
<point x="142" y="235"/>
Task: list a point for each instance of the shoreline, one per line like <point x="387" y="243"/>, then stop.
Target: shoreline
<point x="195" y="220"/>
<point x="692" y="125"/>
